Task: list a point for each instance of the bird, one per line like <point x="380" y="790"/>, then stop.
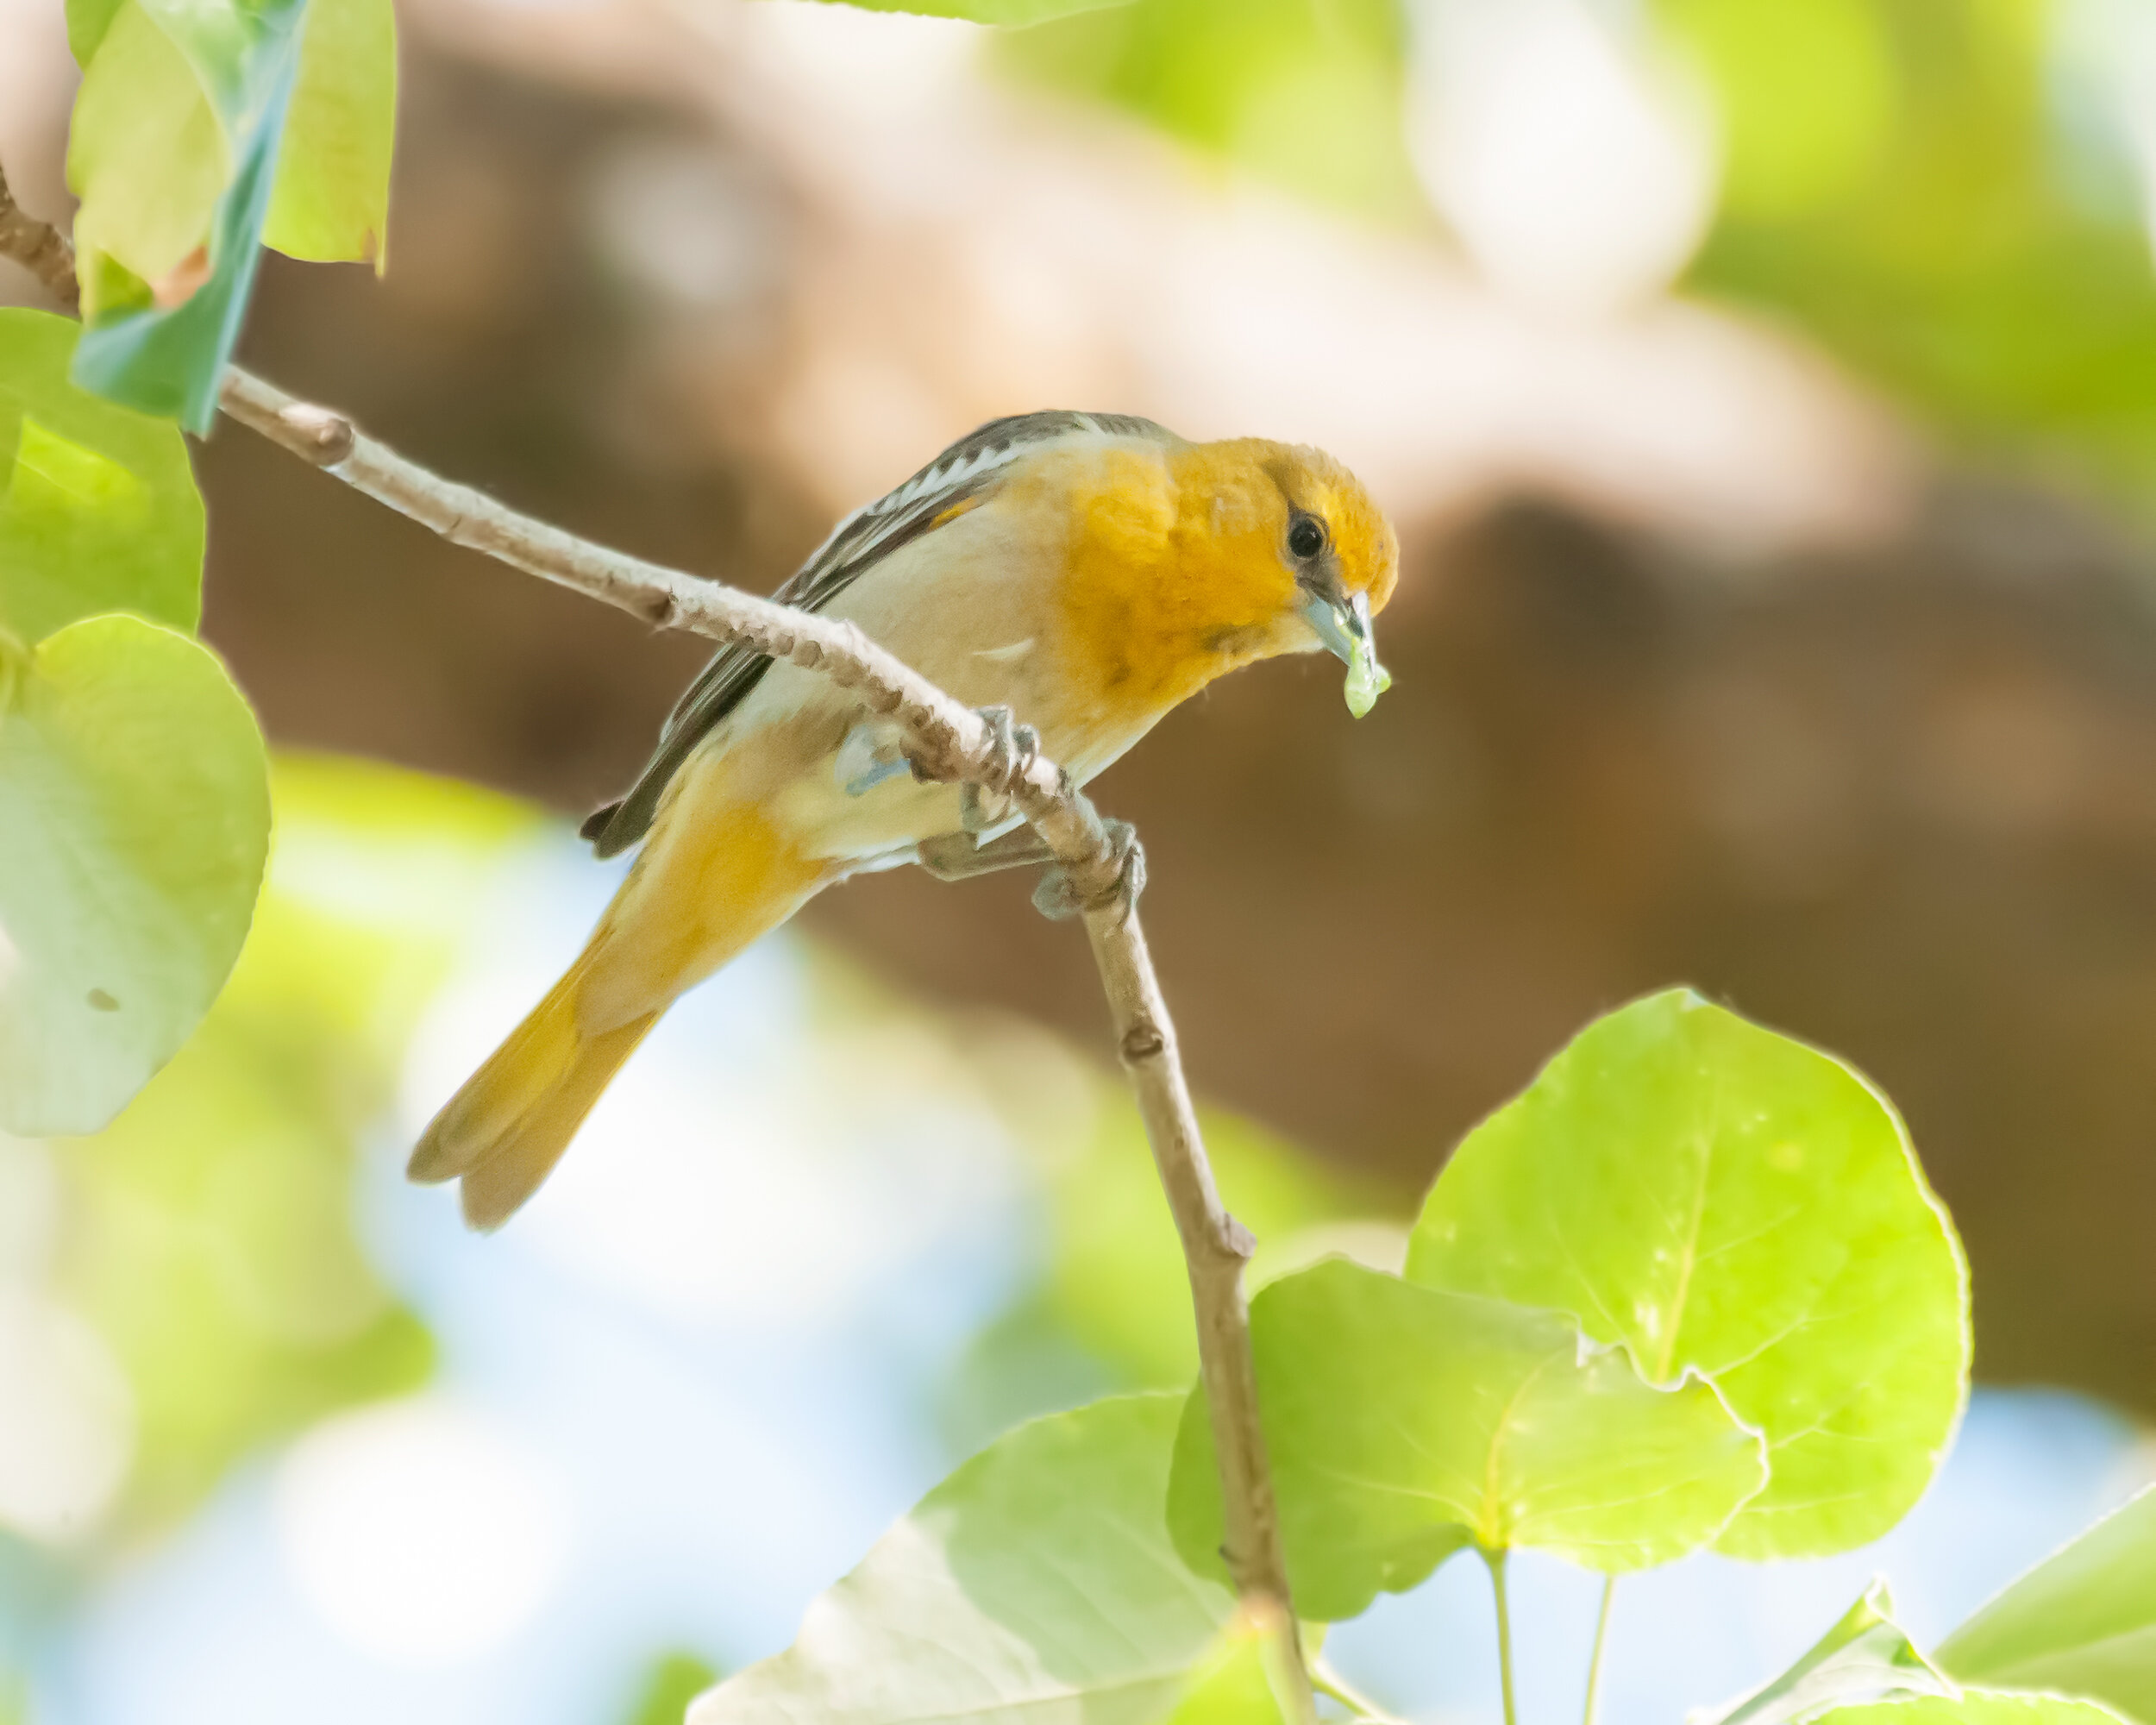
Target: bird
<point x="1083" y="571"/>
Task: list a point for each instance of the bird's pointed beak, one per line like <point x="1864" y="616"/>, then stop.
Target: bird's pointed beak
<point x="1344" y="627"/>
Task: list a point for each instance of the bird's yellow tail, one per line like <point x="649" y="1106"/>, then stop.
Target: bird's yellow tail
<point x="716" y="873"/>
<point x="503" y="1132"/>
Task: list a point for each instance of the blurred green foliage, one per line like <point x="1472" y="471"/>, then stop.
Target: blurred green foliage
<point x="209" y="1231"/>
<point x="1014" y="13"/>
<point x="1903" y="179"/>
<point x="676" y="1680"/>
<point x="1111" y="1307"/>
<point x="1304" y="93"/>
<point x="1808" y="97"/>
<point x="1117" y="1283"/>
<point x="1944" y="192"/>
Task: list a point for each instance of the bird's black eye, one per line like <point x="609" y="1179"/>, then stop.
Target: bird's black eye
<point x="1306" y="538"/>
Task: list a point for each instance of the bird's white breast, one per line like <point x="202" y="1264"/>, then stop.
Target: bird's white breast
<point x="972" y="606"/>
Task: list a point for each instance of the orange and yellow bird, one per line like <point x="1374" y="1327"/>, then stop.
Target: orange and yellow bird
<point x="1085" y="572"/>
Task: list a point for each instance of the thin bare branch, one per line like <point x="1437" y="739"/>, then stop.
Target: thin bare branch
<point x="947" y="741"/>
<point x="39" y="247"/>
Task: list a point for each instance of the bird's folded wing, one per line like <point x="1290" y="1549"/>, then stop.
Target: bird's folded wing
<point x="955" y="481"/>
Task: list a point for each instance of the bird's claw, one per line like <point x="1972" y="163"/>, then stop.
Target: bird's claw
<point x="1057" y="898"/>
<point x="984" y="808"/>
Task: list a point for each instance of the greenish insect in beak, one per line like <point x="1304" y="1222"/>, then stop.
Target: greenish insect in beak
<point x="1344" y="627"/>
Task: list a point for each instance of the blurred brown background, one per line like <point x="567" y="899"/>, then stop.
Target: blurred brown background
<point x="1706" y="670"/>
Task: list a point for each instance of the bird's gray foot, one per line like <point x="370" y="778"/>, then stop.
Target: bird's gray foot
<point x="1056" y="899"/>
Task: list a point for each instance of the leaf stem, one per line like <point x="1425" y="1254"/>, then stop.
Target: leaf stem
<point x="1495" y="1560"/>
<point x="1328" y="1682"/>
<point x="1595" y="1660"/>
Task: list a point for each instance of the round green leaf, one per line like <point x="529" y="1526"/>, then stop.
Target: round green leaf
<point x="1720" y="1198"/>
<point x="99" y="510"/>
<point x="1405" y="1423"/>
<point x="2081" y="1622"/>
<point x="1036" y="1584"/>
<point x="133" y="823"/>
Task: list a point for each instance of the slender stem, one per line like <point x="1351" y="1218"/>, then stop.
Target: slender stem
<point x="1328" y="1682"/>
<point x="947" y="741"/>
<point x="1215" y="1245"/>
<point x="1215" y="1248"/>
<point x="1495" y="1560"/>
<point x="1595" y="1660"/>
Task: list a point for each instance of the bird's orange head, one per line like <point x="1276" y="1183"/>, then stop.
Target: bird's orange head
<point x="1296" y="547"/>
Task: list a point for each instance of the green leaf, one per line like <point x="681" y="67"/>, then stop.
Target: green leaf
<point x="1720" y="1198"/>
<point x="172" y="152"/>
<point x="1036" y="1584"/>
<point x="1405" y="1423"/>
<point x="1865" y="1656"/>
<point x="1974" y="1707"/>
<point x="99" y="510"/>
<point x="1241" y="1681"/>
<point x="2081" y="1622"/>
<point x="148" y="151"/>
<point x="1014" y="13"/>
<point x="330" y="202"/>
<point x="134" y="822"/>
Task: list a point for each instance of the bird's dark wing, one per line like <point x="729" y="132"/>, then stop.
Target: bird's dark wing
<point x="972" y="465"/>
